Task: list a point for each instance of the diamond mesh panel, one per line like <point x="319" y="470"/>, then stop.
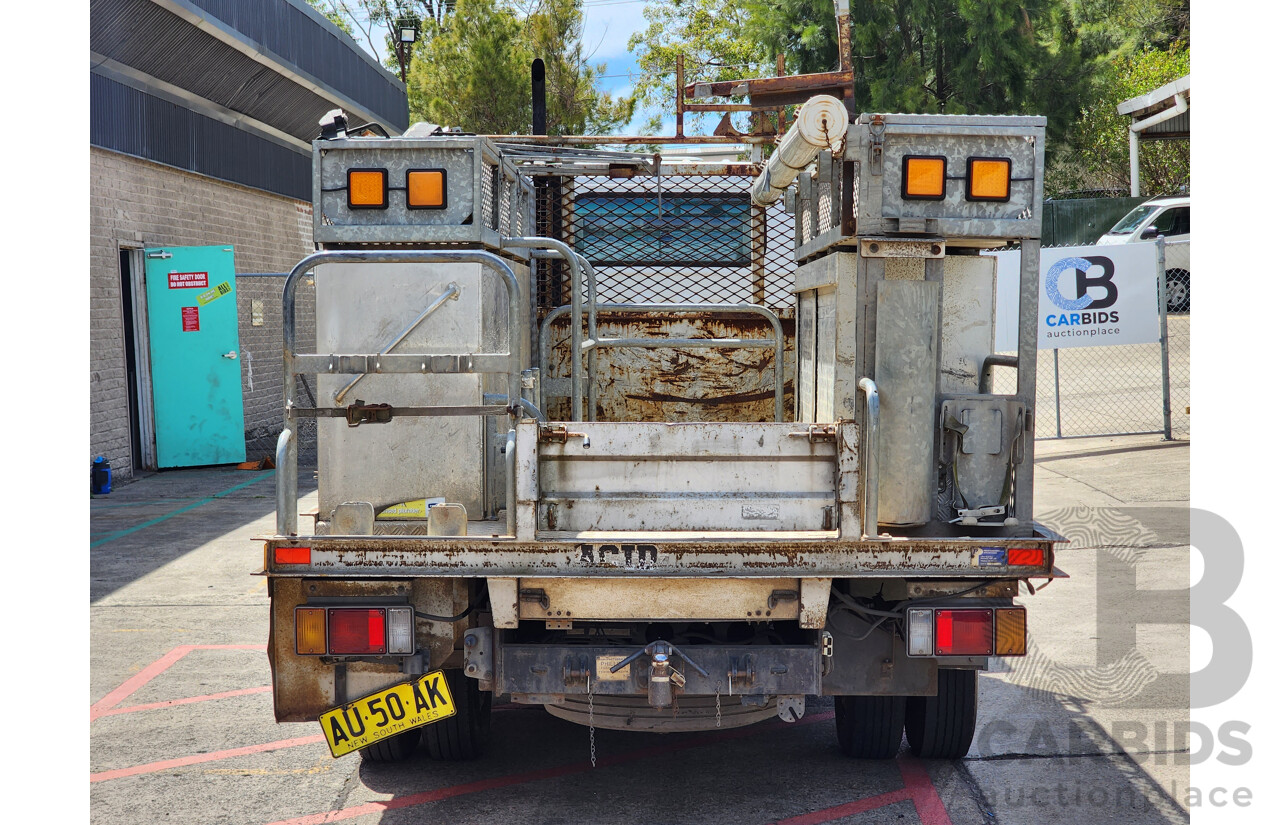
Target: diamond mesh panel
<point x="488" y="203"/>
<point x="705" y="243"/>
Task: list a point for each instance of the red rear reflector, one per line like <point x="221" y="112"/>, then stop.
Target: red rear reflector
<point x="293" y="555"/>
<point x="356" y="631"/>
<point x="1026" y="556"/>
<point x="963" y="632"/>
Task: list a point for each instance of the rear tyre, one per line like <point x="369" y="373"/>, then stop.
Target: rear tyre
<point x="397" y="748"/>
<point x="941" y="727"/>
<point x="1177" y="290"/>
<point x="465" y="735"/>
<point x="870" y="727"/>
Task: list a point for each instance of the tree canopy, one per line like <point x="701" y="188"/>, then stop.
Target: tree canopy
<point x="472" y="70"/>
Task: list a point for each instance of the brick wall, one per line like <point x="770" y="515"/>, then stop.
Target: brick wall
<point x="138" y="204"/>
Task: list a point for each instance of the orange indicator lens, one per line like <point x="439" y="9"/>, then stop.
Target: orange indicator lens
<point x="367" y="188"/>
<point x="988" y="179"/>
<point x="426" y="189"/>
<point x="310" y="627"/>
<point x="1011" y="631"/>
<point x="924" y="178"/>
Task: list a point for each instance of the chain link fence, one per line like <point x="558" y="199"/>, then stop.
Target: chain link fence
<point x="1121" y="390"/>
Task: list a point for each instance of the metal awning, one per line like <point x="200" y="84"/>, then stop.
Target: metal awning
<point x="1161" y="114"/>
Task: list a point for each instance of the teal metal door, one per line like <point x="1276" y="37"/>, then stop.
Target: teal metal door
<point x="195" y="355"/>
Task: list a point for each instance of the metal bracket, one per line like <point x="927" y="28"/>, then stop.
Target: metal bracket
<point x="478" y="654"/>
<point x="537" y="595"/>
<point x="577" y="670"/>
<point x="782" y="596"/>
<point x="877" y="144"/>
<point x="742" y="671"/>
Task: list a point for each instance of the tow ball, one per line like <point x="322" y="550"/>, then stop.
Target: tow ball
<point x="661" y="672"/>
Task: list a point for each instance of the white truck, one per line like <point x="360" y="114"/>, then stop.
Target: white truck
<point x="660" y="445"/>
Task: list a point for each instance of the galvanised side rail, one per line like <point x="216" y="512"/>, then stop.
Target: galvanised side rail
<point x="296" y="364"/>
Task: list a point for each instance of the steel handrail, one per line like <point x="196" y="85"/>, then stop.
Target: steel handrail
<point x="575" y="262"/>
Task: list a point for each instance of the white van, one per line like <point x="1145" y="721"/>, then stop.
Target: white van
<point x="1170" y="217"/>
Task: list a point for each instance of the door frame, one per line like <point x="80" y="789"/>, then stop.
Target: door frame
<point x="141" y="345"/>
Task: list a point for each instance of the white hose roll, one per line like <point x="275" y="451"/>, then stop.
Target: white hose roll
<point x="820" y="124"/>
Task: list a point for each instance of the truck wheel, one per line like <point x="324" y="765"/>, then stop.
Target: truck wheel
<point x="941" y="727"/>
<point x="870" y="727"/>
<point x="465" y="735"/>
<point x="397" y="748"/>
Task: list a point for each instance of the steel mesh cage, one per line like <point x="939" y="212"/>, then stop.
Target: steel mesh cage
<point x="681" y="238"/>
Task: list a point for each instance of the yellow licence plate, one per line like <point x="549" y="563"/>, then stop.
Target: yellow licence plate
<point x="390" y="711"/>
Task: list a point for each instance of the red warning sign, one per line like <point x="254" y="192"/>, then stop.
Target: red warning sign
<point x="191" y="319"/>
<point x="188" y="280"/>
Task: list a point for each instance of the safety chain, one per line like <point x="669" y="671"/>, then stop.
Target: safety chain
<point x="717" y="704"/>
<point x="591" y="719"/>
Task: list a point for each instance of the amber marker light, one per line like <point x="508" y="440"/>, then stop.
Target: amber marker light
<point x="1011" y="631"/>
<point x="426" y="189"/>
<point x="988" y="179"/>
<point x="367" y="188"/>
<point x="309" y="625"/>
<point x="924" y="177"/>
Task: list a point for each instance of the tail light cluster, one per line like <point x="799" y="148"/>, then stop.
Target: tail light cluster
<point x="354" y="631"/>
<point x="967" y="631"/>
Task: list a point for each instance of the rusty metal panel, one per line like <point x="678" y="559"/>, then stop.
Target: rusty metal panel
<point x="661" y="599"/>
<point x="678" y="385"/>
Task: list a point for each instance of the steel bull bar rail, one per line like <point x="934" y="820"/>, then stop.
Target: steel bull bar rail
<point x="296" y="364"/>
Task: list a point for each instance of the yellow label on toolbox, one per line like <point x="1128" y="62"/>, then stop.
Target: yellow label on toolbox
<point x="390" y="711"/>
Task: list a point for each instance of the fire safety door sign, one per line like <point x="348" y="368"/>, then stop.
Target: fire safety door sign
<point x="188" y="280"/>
<point x="191" y="319"/>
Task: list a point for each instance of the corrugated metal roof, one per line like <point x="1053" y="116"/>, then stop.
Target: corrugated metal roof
<point x="159" y="38"/>
<point x="133" y="122"/>
<point x="1178" y="126"/>
<point x="1171" y="95"/>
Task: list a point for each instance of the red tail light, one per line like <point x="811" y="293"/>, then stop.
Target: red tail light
<point x="357" y="631"/>
<point x="963" y="632"/>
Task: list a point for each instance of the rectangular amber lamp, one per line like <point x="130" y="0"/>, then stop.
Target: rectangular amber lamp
<point x="426" y="189"/>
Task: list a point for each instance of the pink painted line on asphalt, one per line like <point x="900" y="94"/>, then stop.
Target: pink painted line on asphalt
<point x="151" y="671"/>
<point x="857" y="806"/>
<point x="924" y="793"/>
<point x="189" y="700"/>
<point x="370" y="808"/>
<point x="152" y="767"/>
